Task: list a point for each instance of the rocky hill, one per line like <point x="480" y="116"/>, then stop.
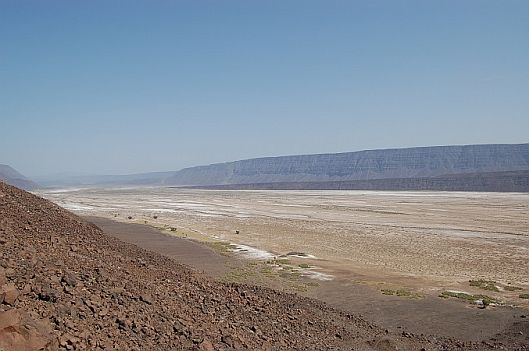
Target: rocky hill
<point x="10" y="176"/>
<point x="363" y="165"/>
<point x="64" y="284"/>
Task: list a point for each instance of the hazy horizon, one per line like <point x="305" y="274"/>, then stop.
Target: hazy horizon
<point x="106" y="88"/>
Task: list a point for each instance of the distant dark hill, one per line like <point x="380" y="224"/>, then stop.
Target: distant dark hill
<point x="397" y="164"/>
<point x="515" y="181"/>
<point x="10" y="176"/>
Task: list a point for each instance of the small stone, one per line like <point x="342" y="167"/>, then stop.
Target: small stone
<point x="3" y="278"/>
<point x="178" y="327"/>
<point x="228" y="340"/>
<point x="9" y="294"/>
<point x="146" y="298"/>
<point x="69" y="278"/>
<point x="48" y="294"/>
<point x="117" y="291"/>
<point x="206" y="345"/>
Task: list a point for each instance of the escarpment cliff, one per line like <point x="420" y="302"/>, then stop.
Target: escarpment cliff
<point x="421" y="162"/>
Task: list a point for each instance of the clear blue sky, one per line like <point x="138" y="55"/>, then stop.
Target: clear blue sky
<point x="109" y="87"/>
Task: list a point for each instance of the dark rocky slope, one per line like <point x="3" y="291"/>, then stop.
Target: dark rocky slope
<point x="64" y="284"/>
<point x="422" y="162"/>
<point x="10" y="176"/>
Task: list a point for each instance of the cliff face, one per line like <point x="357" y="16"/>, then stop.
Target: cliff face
<point x="515" y="181"/>
<point x="10" y="176"/>
<point x="363" y="165"/>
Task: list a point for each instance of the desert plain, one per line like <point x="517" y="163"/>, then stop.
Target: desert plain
<point x="364" y="251"/>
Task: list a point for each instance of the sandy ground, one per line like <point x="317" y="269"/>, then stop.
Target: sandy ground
<point x="187" y="252"/>
<point x="427" y="315"/>
<point x="357" y="244"/>
<point x="437" y="236"/>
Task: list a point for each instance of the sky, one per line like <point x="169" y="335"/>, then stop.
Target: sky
<point x="117" y="87"/>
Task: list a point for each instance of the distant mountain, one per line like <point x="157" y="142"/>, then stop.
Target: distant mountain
<point x="515" y="181"/>
<point x="493" y="167"/>
<point x="10" y="176"/>
<point x="417" y="163"/>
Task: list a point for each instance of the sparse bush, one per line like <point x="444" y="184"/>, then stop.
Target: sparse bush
<point x="400" y="293"/>
<point x="221" y="247"/>
<point x="512" y="288"/>
<point x="313" y="284"/>
<point x="487" y="300"/>
<point x="266" y="270"/>
<point x="484" y="284"/>
<point x="281" y="261"/>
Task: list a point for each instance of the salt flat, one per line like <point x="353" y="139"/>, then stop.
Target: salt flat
<point x="444" y="238"/>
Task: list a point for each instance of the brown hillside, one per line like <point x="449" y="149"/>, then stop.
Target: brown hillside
<point x="64" y="284"/>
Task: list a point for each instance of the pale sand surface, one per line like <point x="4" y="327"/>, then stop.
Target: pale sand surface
<point x="426" y="241"/>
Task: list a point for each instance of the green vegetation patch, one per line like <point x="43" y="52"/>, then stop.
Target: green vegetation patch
<point x="512" y="288"/>
<point x="267" y="270"/>
<point x="487" y="300"/>
<point x="280" y="261"/>
<point x="312" y="284"/>
<point x="304" y="266"/>
<point x="221" y="247"/>
<point x="400" y="292"/>
<point x="484" y="284"/>
<point x="237" y="276"/>
<point x="524" y="296"/>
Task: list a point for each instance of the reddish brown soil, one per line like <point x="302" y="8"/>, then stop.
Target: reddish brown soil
<point x="64" y="284"/>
